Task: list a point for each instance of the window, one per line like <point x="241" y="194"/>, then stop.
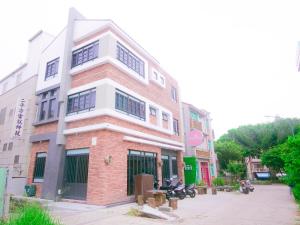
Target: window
<point x="85" y="54"/>
<point x="51" y="68"/>
<point x="4" y="147"/>
<point x="174" y="166"/>
<point x="165" y="116"/>
<point x="48" y="105"/>
<point x="140" y="162"/>
<point x="155" y="75"/>
<point x="16" y="159"/>
<point x="152" y="111"/>
<point x="39" y="168"/>
<point x="176" y="127"/>
<point x="82" y="102"/>
<point x="195" y="116"/>
<point x="162" y="80"/>
<point x="130" y="105"/>
<point x="2" y="116"/>
<point x="10" y="146"/>
<point x="130" y="60"/>
<point x="174" y="94"/>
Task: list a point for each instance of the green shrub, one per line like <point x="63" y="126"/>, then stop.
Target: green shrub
<point x="200" y="183"/>
<point x="31" y="214"/>
<point x="296" y="191"/>
<point x="219" y="181"/>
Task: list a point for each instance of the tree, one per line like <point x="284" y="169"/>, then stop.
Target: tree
<point x="291" y="156"/>
<point x="255" y="139"/>
<point x="237" y="170"/>
<point x="228" y="151"/>
<point x="273" y="159"/>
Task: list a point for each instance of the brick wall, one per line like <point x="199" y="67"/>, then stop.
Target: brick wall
<point x="45" y="128"/>
<point x="36" y="147"/>
<point x="108" y="183"/>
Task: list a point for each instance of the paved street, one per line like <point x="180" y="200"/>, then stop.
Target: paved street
<point x="268" y="205"/>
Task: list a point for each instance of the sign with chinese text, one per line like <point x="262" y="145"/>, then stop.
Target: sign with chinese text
<point x="18" y="123"/>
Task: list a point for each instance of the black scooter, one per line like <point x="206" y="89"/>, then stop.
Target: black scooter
<point x="190" y="190"/>
<point x="174" y="188"/>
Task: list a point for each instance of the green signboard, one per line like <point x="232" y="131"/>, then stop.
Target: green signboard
<point x="191" y="174"/>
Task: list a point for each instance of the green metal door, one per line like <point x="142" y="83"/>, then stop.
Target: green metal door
<point x="137" y="163"/>
<point x="76" y="174"/>
<point x="3" y="180"/>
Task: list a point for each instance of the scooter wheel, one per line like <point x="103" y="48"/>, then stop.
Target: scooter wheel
<point x="181" y="196"/>
<point x="193" y="194"/>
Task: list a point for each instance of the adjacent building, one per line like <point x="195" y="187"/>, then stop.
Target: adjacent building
<point x="106" y="111"/>
<point x="199" y="139"/>
<point x="255" y="169"/>
<point x="17" y="113"/>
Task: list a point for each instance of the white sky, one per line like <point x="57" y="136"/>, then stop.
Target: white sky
<point x="236" y="59"/>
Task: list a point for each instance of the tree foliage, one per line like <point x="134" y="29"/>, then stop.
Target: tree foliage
<point x="255" y="139"/>
<point x="273" y="158"/>
<point x="237" y="170"/>
<point x="228" y="151"/>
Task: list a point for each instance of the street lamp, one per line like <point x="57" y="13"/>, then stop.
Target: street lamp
<point x="288" y="120"/>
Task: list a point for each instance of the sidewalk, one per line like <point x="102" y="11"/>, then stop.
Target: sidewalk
<point x="267" y="205"/>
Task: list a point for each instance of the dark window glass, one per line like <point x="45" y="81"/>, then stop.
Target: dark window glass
<point x="85" y="54"/>
<point x="174" y="94"/>
<point x="139" y="162"/>
<point x="174" y="166"/>
<point x="130" y="105"/>
<point x="51" y="68"/>
<point x="175" y="127"/>
<point x="82" y="101"/>
<point x="10" y="146"/>
<point x="152" y="111"/>
<point x="51" y="109"/>
<point x="165" y="116"/>
<point x="130" y="60"/>
<point x="16" y="159"/>
<point x="39" y="168"/>
<point x="4" y="147"/>
<point x="48" y="106"/>
<point x="43" y="111"/>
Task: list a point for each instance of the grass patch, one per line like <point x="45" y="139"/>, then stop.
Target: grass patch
<point x="132" y="212"/>
<point x="30" y="214"/>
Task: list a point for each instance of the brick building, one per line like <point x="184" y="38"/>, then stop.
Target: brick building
<point x="199" y="138"/>
<point x="106" y="111"/>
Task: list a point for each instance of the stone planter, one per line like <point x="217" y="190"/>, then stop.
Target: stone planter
<point x="214" y="190"/>
<point x="202" y="190"/>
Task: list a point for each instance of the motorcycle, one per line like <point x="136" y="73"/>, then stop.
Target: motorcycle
<point x="190" y="190"/>
<point x="243" y="187"/>
<point x="249" y="185"/>
<point x="174" y="188"/>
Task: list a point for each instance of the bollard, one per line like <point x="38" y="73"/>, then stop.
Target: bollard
<point x="151" y="202"/>
<point x="140" y="200"/>
<point x="173" y="203"/>
<point x="214" y="190"/>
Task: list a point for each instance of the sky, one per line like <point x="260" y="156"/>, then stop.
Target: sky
<point x="236" y="59"/>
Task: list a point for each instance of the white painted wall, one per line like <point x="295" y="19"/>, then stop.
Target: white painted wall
<point x="54" y="50"/>
<point x="84" y="28"/>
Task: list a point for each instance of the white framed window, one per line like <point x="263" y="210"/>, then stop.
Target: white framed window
<point x="153" y="111"/>
<point x="158" y="78"/>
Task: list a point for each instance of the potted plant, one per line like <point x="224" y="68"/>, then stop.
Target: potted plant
<point x="201" y="188"/>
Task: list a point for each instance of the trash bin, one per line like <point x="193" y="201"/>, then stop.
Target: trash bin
<point x="30" y="190"/>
